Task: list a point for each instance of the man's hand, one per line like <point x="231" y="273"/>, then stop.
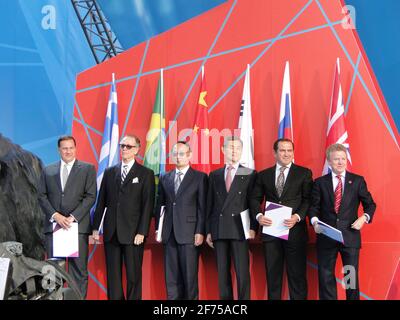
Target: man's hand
<point x="71" y="219"/>
<point x="198" y="239"/>
<point x="291" y="222"/>
<point x="96" y="236"/>
<point x="64" y="222"/>
<point x="139" y="238"/>
<point x="252" y="234"/>
<point x="264" y="221"/>
<point x="209" y="240"/>
<point x="359" y="223"/>
<point x="317" y="228"/>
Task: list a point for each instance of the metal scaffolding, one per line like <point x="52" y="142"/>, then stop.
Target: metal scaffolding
<point x="102" y="41"/>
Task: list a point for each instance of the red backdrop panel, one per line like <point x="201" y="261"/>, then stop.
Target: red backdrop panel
<point x="265" y="34"/>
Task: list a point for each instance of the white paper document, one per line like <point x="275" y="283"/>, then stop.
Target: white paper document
<point x="277" y="213"/>
<point x="245" y="216"/>
<point x="160" y="225"/>
<point x="4" y="269"/>
<point x="330" y="231"/>
<point x="65" y="242"/>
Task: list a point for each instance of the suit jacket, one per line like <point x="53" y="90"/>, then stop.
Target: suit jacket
<point x="296" y="194"/>
<point x="185" y="212"/>
<point x="224" y="208"/>
<point x="323" y="206"/>
<point x="78" y="197"/>
<point x="129" y="206"/>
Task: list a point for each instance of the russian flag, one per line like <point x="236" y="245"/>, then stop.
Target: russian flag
<point x="285" y="116"/>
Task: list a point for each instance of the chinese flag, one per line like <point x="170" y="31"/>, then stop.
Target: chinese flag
<point x="199" y="140"/>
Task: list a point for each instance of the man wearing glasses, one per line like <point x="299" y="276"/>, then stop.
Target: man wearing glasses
<point x="183" y="192"/>
<point x="127" y="193"/>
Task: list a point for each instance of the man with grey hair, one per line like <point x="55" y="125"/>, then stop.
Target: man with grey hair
<point x="127" y="192"/>
<point x="229" y="193"/>
<point x="336" y="198"/>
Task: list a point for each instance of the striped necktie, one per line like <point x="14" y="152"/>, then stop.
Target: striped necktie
<point x="338" y="194"/>
<point x="124" y="173"/>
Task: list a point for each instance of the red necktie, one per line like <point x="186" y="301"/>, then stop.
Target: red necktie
<point x="338" y="194"/>
<point x="228" y="179"/>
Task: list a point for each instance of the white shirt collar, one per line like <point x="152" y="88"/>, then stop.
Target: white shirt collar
<point x="342" y="175"/>
<point x="184" y="170"/>
<point x="278" y="166"/>
<point x="69" y="164"/>
<point x="129" y="164"/>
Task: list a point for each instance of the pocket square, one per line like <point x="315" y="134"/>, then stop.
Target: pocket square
<point x="135" y="180"/>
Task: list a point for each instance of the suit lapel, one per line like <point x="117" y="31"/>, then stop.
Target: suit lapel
<point x="187" y="179"/>
<point x="74" y="171"/>
<point x="235" y="184"/>
<point x="170" y="187"/>
<point x="348" y="181"/>
<point x="272" y="179"/>
<point x="117" y="174"/>
<point x="291" y="175"/>
<point x="329" y="184"/>
<point x="130" y="175"/>
<point x="57" y="175"/>
<point x="220" y="182"/>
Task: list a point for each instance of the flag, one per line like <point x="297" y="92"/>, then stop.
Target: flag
<point x="336" y="132"/>
<point x="154" y="156"/>
<point x="285" y="115"/>
<point x="246" y="125"/>
<point x="109" y="154"/>
<point x="199" y="140"/>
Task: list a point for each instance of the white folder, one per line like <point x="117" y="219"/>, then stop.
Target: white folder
<point x="160" y="224"/>
<point x="245" y="216"/>
<point x="65" y="241"/>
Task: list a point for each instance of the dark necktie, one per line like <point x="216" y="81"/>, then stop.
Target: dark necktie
<point x="124" y="173"/>
<point x="280" y="183"/>
<point x="178" y="180"/>
<point x="338" y="194"/>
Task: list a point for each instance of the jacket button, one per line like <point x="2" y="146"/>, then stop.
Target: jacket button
<point x="280" y="202"/>
<point x="337" y="220"/>
<point x="232" y="214"/>
<point x="174" y="203"/>
<point x="220" y="215"/>
<point x="240" y="192"/>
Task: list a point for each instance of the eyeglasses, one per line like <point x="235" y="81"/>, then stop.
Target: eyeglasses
<point x="127" y="146"/>
<point x="180" y="154"/>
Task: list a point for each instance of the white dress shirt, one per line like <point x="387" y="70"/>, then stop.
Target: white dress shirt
<point x="233" y="171"/>
<point x="69" y="168"/>
<point x="129" y="164"/>
<point x="184" y="170"/>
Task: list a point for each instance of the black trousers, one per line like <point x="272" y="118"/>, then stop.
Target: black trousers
<point x="77" y="267"/>
<point x="238" y="251"/>
<point x="276" y="253"/>
<point x="326" y="272"/>
<point x="132" y="256"/>
<point x="181" y="262"/>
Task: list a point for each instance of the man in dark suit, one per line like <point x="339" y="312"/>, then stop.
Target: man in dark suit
<point x="336" y="198"/>
<point x="127" y="193"/>
<point x="67" y="192"/>
<point x="183" y="192"/>
<point x="228" y="195"/>
<point x="289" y="185"/>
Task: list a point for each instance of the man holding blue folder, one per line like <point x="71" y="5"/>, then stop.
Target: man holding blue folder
<point x="335" y="201"/>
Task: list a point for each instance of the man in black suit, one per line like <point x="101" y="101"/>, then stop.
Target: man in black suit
<point x="228" y="195"/>
<point x="127" y="193"/>
<point x="336" y="198"/>
<point x="289" y="185"/>
<point x="183" y="192"/>
<point x="67" y="192"/>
